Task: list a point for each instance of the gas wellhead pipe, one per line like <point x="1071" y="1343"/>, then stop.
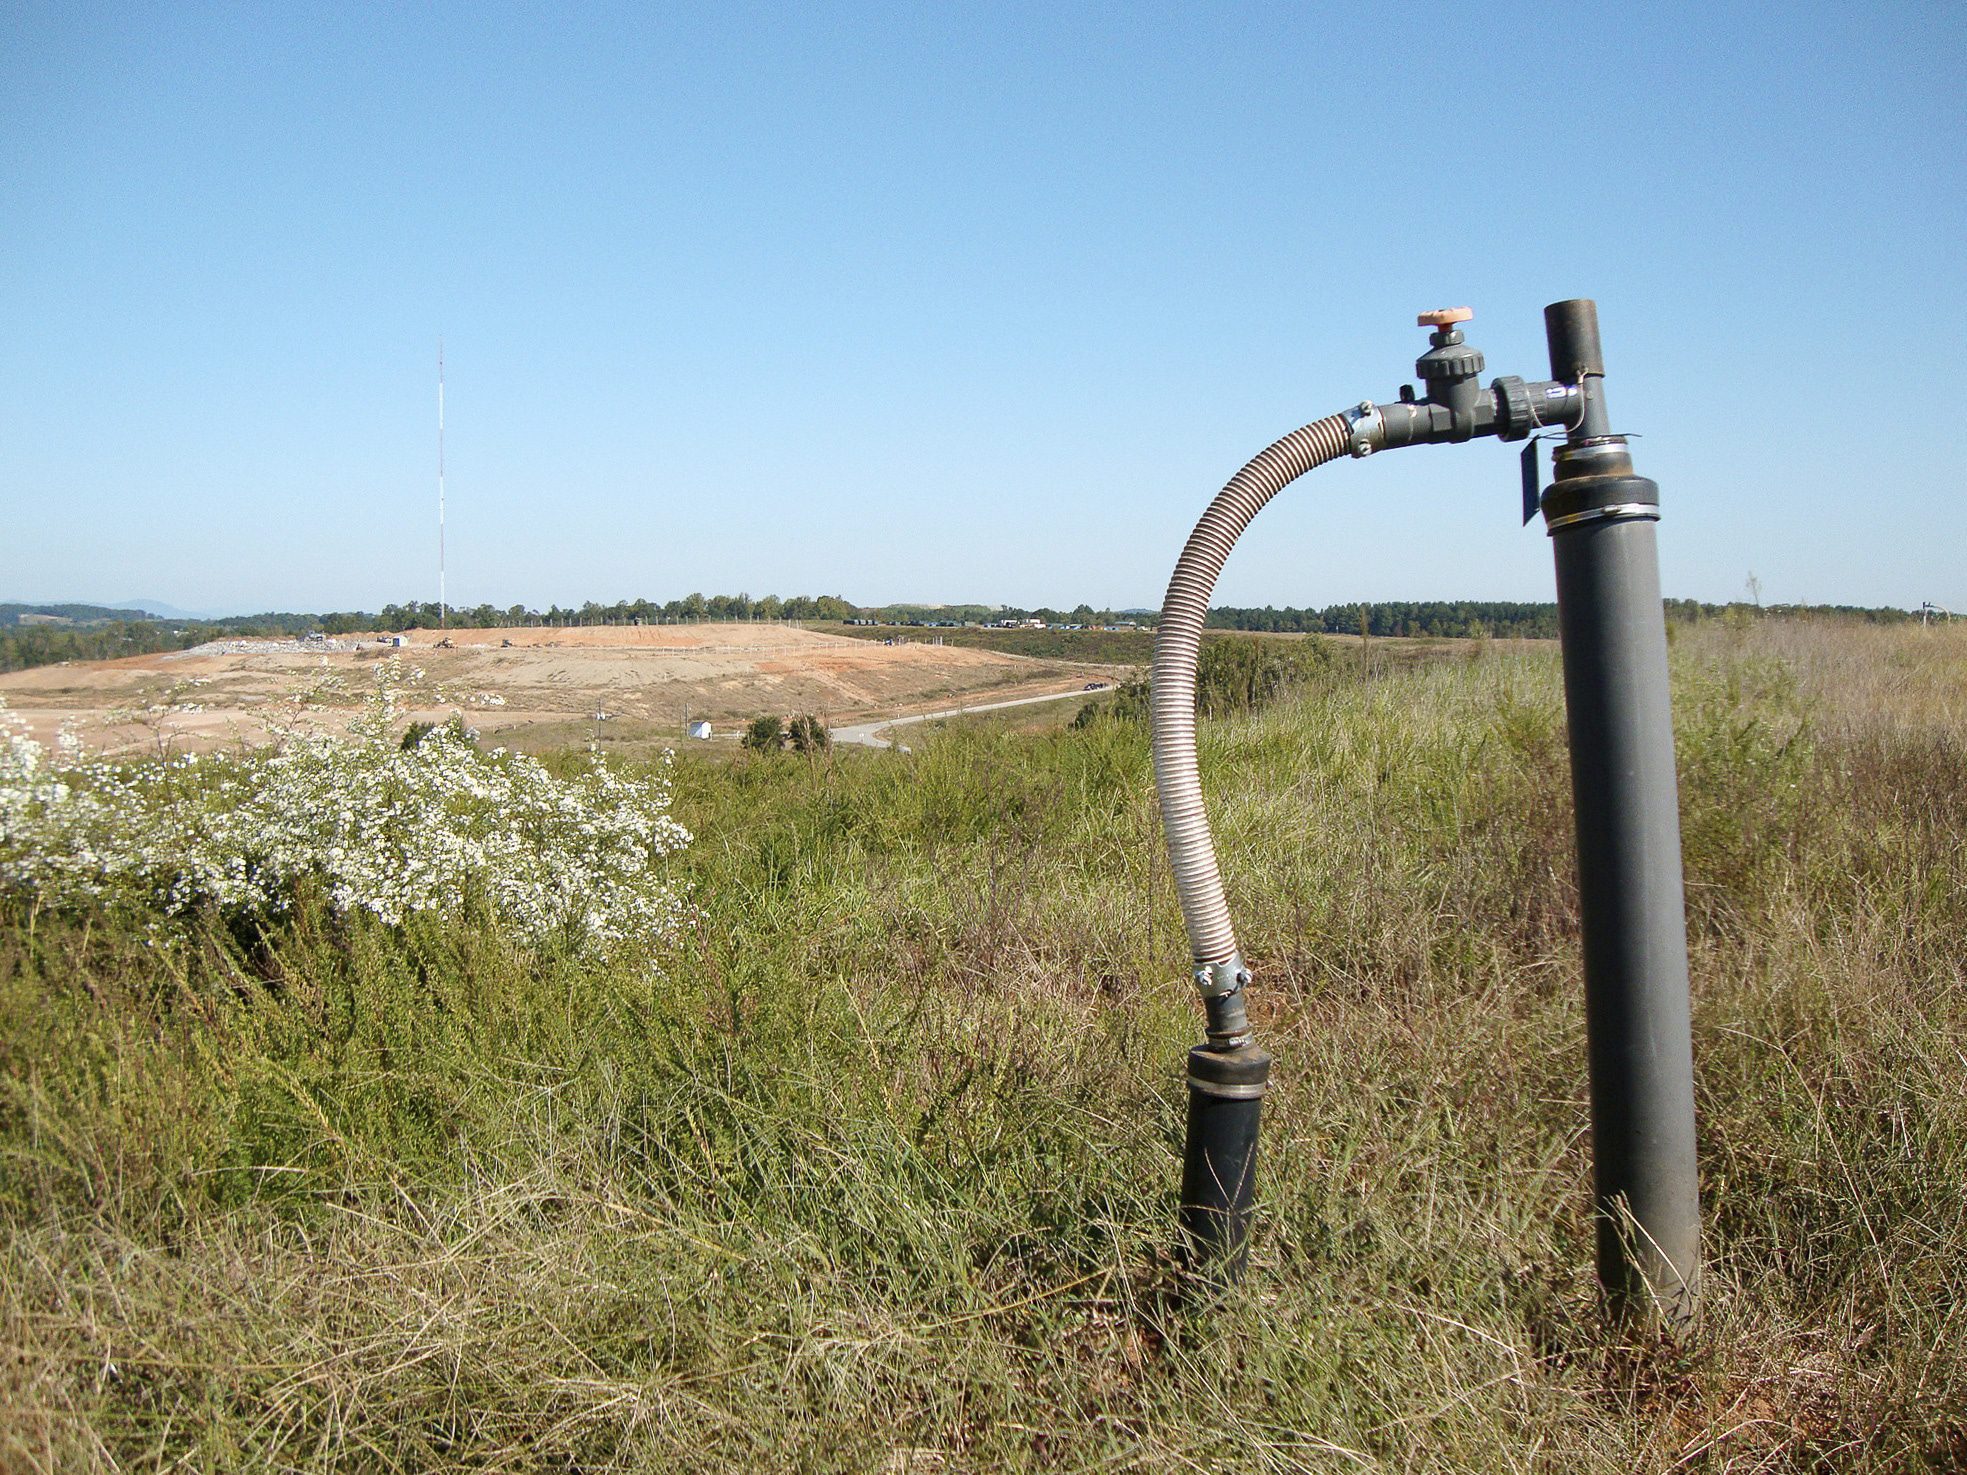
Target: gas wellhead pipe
<point x="1229" y="1073"/>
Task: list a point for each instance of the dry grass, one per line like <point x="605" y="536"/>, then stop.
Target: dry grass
<point x="881" y="1178"/>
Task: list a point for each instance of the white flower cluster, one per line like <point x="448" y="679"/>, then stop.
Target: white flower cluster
<point x="384" y="827"/>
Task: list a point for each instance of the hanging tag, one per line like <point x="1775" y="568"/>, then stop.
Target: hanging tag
<point x="1533" y="489"/>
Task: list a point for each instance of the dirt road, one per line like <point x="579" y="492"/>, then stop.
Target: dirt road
<point x="869" y="733"/>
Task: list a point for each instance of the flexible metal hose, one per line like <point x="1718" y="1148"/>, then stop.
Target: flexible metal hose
<point x="1177" y="646"/>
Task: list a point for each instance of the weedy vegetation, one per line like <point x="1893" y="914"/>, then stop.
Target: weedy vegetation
<point x="868" y="1162"/>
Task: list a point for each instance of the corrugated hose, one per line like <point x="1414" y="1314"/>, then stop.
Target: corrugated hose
<point x="1219" y="968"/>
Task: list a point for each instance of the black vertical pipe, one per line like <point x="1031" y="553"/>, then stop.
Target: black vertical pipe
<point x="1219" y="1159"/>
<point x="1601" y="519"/>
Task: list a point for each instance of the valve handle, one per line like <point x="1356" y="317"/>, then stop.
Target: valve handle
<point x="1441" y="317"/>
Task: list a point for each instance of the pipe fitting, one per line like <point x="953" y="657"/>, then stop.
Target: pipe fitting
<point x="1221" y="986"/>
<point x="1525" y="407"/>
<point x="1219" y="980"/>
<point x="1226" y="1023"/>
<point x="1368" y="427"/>
<point x="1595" y="484"/>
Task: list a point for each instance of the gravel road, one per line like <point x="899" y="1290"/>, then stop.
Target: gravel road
<point x="868" y="734"/>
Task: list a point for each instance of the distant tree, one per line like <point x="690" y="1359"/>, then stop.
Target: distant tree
<point x="765" y="735"/>
<point x="809" y="735"/>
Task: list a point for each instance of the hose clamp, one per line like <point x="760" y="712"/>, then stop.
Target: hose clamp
<point x="1249" y="1091"/>
<point x="1617" y="512"/>
<point x="1220" y="980"/>
<point x="1367" y="428"/>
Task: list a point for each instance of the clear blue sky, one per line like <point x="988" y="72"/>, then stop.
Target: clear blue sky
<point x="955" y="302"/>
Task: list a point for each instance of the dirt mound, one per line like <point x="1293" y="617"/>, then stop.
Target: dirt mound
<point x="652" y="675"/>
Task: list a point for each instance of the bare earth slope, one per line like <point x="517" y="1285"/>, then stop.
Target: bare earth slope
<point x="650" y="675"/>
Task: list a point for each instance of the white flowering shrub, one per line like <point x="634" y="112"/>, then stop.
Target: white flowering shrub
<point x="378" y="825"/>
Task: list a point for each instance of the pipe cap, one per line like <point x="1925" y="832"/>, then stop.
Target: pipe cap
<point x="1441" y="317"/>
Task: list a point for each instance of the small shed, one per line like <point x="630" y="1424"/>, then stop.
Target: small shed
<point x="698" y="728"/>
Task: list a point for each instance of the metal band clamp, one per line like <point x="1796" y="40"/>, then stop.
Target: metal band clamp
<point x="1220" y="980"/>
<point x="1617" y="512"/>
<point x="1243" y="1091"/>
<point x="1368" y="428"/>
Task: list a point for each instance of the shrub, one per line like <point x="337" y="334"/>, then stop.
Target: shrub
<point x="1245" y="675"/>
<point x="454" y="728"/>
<point x="391" y="827"/>
<point x="1231" y="676"/>
<point x="1128" y="704"/>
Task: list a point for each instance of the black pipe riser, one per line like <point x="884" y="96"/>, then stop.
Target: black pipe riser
<point x="1571" y="329"/>
<point x="1219" y="1159"/>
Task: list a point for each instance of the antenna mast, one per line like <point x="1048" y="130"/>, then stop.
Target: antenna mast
<point x="443" y="609"/>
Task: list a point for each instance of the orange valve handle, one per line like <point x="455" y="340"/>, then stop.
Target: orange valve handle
<point x="1441" y="317"/>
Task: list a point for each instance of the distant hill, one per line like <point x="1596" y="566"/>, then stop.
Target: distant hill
<point x="156" y="609"/>
<point x="69" y="614"/>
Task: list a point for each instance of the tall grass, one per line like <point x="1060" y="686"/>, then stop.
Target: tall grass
<point x="879" y="1175"/>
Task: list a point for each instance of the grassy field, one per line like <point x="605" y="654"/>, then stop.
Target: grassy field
<point x="1042" y="717"/>
<point x="1136" y="647"/>
<point x="879" y="1174"/>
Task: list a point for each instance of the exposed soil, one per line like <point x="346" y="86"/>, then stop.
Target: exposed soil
<point x="508" y="680"/>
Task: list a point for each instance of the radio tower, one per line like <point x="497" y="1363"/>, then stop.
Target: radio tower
<point x="443" y="609"/>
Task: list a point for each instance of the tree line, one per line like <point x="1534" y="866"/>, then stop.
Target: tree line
<point x="1464" y="618"/>
<point x="422" y="615"/>
<point x="426" y="615"/>
<point x="22" y="646"/>
<point x="95" y="633"/>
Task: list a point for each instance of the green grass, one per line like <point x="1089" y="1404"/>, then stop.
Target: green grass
<point x="1380" y="654"/>
<point x="880" y="1175"/>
